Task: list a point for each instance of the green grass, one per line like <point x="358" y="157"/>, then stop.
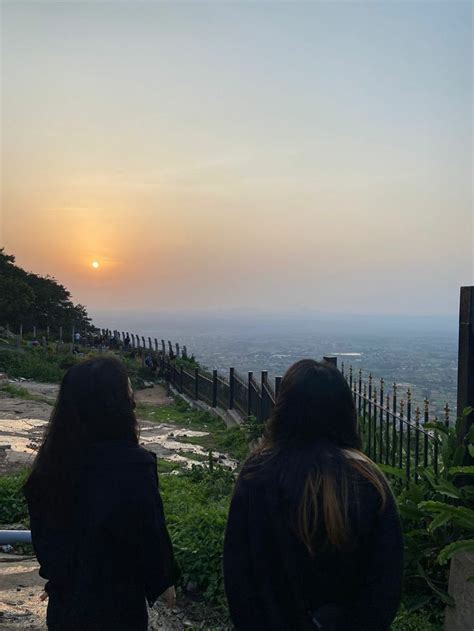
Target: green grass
<point x="196" y="506"/>
<point x="18" y="392"/>
<point x="36" y="363"/>
<point x="13" y="509"/>
<point x="165" y="466"/>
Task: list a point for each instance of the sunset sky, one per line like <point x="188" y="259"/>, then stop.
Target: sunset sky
<point x="263" y="155"/>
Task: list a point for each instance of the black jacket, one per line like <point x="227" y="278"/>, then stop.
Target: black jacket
<point x="272" y="583"/>
<point x="116" y="554"/>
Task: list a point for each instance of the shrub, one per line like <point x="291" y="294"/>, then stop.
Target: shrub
<point x="36" y="363"/>
<point x="413" y="621"/>
<point x="436" y="519"/>
<point x="196" y="505"/>
<point x="13" y="507"/>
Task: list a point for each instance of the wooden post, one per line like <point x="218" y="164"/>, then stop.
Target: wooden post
<point x="330" y="360"/>
<point x="177" y="349"/>
<point x="214" y="388"/>
<point x="466" y="357"/>
<point x="231" y="388"/>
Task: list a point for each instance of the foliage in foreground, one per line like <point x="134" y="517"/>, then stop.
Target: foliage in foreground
<point x="13" y="509"/>
<point x="196" y="505"/>
<point x="437" y="519"/>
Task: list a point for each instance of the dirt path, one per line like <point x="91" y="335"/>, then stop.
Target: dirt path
<point x="22" y="424"/>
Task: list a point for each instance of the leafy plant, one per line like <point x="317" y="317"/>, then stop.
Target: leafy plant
<point x="436" y="517"/>
<point x="36" y="363"/>
<point x="196" y="504"/>
<point x="13" y="507"/>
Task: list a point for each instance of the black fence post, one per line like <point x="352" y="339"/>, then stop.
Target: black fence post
<point x="263" y="402"/>
<point x="163" y="347"/>
<point x="214" y="388"/>
<point x="249" y="393"/>
<point x="277" y="386"/>
<point x="196" y="383"/>
<point x="169" y="376"/>
<point x="156" y="345"/>
<point x="231" y="388"/>
<point x="466" y="357"/>
<point x="177" y="350"/>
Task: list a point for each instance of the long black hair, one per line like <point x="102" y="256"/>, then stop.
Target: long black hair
<point x="95" y="403"/>
<point x="313" y="428"/>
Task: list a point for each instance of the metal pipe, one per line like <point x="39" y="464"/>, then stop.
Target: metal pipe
<point x="10" y="537"/>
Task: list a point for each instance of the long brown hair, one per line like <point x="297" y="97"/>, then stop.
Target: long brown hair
<point x="313" y="430"/>
<point x="94" y="404"/>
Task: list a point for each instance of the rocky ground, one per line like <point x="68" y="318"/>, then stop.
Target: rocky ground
<point x="22" y="424"/>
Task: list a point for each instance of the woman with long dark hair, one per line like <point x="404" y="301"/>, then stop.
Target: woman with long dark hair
<point x="96" y="515"/>
<point x="313" y="538"/>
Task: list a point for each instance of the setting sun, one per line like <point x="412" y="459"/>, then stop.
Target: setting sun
<point x="95" y="264"/>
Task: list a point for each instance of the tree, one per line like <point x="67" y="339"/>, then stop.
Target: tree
<point x="33" y="300"/>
